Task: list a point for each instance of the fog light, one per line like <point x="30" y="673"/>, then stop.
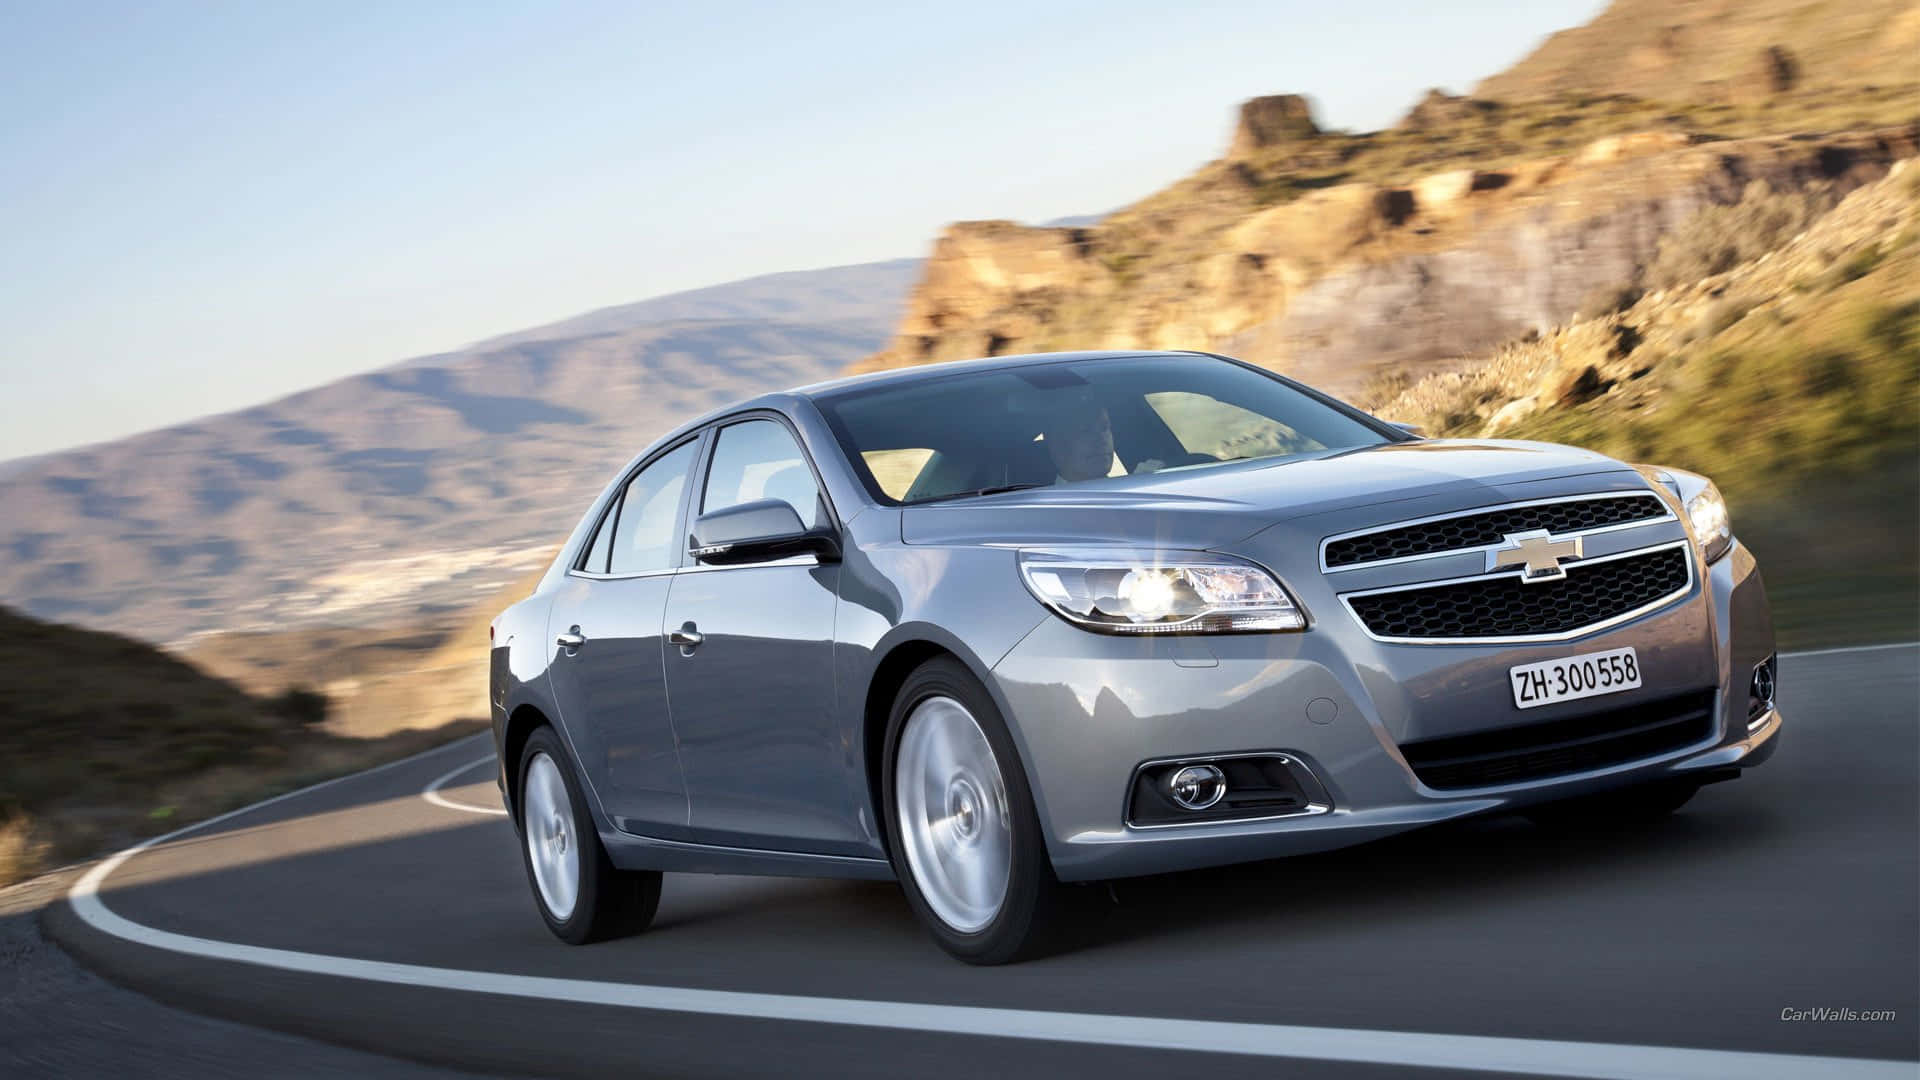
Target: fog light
<point x="1196" y="787"/>
<point x="1761" y="688"/>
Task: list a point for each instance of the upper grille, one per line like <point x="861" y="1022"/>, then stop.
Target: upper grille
<point x="1562" y="747"/>
<point x="1478" y="530"/>
<point x="1507" y="607"/>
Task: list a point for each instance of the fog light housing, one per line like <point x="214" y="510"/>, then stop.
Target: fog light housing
<point x="1761" y="687"/>
<point x="1196" y="787"/>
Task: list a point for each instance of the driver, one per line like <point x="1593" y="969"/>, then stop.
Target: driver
<point x="1079" y="438"/>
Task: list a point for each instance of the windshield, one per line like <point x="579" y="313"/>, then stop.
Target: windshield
<point x="1078" y="422"/>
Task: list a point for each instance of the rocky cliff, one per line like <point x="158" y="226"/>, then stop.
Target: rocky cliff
<point x="1339" y="256"/>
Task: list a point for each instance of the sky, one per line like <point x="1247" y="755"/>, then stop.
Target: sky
<point x="208" y="205"/>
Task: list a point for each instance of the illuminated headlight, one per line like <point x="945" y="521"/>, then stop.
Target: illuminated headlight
<point x="1707" y="513"/>
<point x="1131" y="592"/>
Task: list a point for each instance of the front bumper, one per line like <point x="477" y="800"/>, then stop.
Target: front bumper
<point x="1088" y="709"/>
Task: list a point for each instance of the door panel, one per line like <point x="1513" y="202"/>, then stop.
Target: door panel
<point x="611" y="688"/>
<point x="753" y="704"/>
<point x="753" y="701"/>
<point x="613" y="697"/>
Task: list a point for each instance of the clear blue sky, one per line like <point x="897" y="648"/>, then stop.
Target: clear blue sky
<point x="205" y="205"/>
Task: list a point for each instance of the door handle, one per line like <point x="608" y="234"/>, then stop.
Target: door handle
<point x="572" y="639"/>
<point x="687" y="638"/>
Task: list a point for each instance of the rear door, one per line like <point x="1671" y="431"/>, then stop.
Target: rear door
<point x="753" y="701"/>
<point x="605" y="630"/>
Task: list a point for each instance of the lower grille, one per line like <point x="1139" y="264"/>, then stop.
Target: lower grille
<point x="1508" y="607"/>
<point x="1563" y="747"/>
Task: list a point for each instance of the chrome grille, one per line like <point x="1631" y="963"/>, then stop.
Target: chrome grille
<point x="1594" y="592"/>
<point x="1479" y="529"/>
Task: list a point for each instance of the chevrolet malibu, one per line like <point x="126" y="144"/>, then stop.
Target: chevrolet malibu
<point x="995" y="628"/>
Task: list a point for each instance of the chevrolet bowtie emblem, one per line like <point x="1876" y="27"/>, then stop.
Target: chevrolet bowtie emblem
<point x="1538" y="552"/>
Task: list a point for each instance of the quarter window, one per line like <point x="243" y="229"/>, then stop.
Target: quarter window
<point x="759" y="459"/>
<point x="643" y="535"/>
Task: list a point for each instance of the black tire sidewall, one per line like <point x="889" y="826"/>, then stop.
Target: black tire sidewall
<point x="1032" y="890"/>
<point x="587" y="921"/>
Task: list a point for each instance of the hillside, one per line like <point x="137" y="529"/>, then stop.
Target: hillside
<point x="1789" y="371"/>
<point x="412" y="488"/>
<point x="1336" y="256"/>
<point x="421" y="673"/>
<point x="104" y="740"/>
<point x="1722" y="50"/>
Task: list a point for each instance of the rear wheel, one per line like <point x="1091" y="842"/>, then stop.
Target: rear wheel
<point x="580" y="893"/>
<point x="1623" y="809"/>
<point x="961" y="826"/>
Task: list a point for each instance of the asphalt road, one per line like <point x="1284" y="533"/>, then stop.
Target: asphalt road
<point x="363" y="914"/>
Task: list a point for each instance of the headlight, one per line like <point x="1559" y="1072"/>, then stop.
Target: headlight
<point x="1707" y="513"/>
<point x="1181" y="592"/>
<point x="1706" y="510"/>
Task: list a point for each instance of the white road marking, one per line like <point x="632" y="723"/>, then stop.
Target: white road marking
<point x="1855" y="648"/>
<point x="1540" y="1057"/>
<point x="431" y="792"/>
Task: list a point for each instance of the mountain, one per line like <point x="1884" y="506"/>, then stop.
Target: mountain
<point x="1343" y="257"/>
<point x="863" y="295"/>
<point x="404" y="491"/>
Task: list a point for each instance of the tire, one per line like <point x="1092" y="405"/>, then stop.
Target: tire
<point x="973" y="805"/>
<point x="578" y="891"/>
<point x="1626" y="808"/>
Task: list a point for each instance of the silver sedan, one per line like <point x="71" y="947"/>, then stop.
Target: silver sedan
<point x="1000" y="628"/>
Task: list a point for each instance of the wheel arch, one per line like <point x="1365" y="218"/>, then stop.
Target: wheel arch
<point x="521" y="723"/>
<point x="899" y="655"/>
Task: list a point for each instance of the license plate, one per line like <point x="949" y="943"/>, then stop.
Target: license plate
<point x="1573" y="677"/>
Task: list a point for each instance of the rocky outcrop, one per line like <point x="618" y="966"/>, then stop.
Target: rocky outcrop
<point x="1348" y="280"/>
<point x="1269" y="122"/>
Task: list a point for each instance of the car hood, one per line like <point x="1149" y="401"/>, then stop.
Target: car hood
<point x="1220" y="505"/>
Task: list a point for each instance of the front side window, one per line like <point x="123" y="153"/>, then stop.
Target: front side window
<point x="759" y="459"/>
<point x="1079" y="422"/>
<point x="643" y="532"/>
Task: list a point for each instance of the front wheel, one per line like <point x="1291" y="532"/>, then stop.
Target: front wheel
<point x="581" y="895"/>
<point x="961" y="827"/>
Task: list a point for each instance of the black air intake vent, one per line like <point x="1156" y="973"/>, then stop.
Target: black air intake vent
<point x="1563" y="747"/>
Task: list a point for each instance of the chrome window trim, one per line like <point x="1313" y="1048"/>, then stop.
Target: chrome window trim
<point x="1666" y="515"/>
<point x="804" y="559"/>
<point x="1313" y="808"/>
<point x="591" y="576"/>
<point x="1346" y="601"/>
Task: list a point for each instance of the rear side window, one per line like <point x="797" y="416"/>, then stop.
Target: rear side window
<point x="759" y="459"/>
<point x="642" y="527"/>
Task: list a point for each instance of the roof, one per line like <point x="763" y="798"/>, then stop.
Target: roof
<point x="918" y="372"/>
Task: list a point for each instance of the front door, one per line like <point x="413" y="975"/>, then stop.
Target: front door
<point x="753" y="701"/>
<point x="605" y="630"/>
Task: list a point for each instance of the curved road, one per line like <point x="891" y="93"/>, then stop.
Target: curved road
<point x="389" y="911"/>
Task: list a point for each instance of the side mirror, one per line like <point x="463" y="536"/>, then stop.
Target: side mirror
<point x="756" y="531"/>
<point x="1414" y="430"/>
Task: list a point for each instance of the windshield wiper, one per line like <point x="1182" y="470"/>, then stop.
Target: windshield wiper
<point x="993" y="489"/>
